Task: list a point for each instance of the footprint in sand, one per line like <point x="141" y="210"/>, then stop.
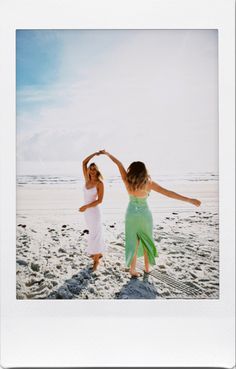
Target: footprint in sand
<point x="62" y="250"/>
<point x="22" y="262"/>
<point x="31" y="282"/>
<point x="35" y="267"/>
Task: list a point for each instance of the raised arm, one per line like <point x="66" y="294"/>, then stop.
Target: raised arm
<point x="85" y="162"/>
<point x="156" y="187"/>
<point x="120" y="166"/>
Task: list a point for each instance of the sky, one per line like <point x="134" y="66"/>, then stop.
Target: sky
<point x="148" y="95"/>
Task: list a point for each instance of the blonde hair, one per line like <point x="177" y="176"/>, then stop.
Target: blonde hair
<point x="99" y="174"/>
<point x="137" y="176"/>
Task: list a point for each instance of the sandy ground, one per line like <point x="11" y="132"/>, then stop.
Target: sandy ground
<point x="51" y="236"/>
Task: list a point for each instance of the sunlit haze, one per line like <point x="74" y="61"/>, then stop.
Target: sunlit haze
<point x="148" y="95"/>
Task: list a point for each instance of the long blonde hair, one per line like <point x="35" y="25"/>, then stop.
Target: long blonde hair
<point x="137" y="176"/>
<point x="99" y="174"/>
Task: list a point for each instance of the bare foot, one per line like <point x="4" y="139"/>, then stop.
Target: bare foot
<point x="95" y="264"/>
<point x="135" y="274"/>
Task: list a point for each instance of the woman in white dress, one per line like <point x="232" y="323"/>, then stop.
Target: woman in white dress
<point x="93" y="196"/>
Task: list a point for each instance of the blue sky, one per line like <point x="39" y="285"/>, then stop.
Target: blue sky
<point x="153" y="93"/>
<point x="36" y="58"/>
<point x="41" y="56"/>
<point x="38" y="52"/>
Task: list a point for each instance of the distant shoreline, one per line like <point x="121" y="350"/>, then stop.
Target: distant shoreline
<point x="66" y="179"/>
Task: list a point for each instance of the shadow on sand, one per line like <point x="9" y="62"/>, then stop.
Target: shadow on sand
<point x="72" y="287"/>
<point x="133" y="289"/>
<point x="138" y="289"/>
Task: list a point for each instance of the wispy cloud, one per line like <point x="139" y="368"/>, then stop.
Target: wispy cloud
<point x="151" y="95"/>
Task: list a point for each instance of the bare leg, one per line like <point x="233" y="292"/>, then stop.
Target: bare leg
<point x="146" y="261"/>
<point x="132" y="270"/>
<point x="96" y="261"/>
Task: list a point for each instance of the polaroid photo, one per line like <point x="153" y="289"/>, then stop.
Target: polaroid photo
<point x="117" y="184"/>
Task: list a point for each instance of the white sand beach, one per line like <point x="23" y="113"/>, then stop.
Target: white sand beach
<point x="51" y="239"/>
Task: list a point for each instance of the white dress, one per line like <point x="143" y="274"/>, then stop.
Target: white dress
<point x="93" y="219"/>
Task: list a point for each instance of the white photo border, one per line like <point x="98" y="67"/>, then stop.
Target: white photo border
<point x="79" y="333"/>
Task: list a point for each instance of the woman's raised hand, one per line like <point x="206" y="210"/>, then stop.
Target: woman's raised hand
<point x="103" y="152"/>
<point x="195" y="202"/>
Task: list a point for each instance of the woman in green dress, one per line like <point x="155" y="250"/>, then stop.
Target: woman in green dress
<point x="138" y="219"/>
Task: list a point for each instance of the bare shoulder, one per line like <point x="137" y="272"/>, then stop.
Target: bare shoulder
<point x="100" y="184"/>
<point x="149" y="185"/>
<point x="155" y="186"/>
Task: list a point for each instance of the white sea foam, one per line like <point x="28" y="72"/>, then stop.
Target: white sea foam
<point x="51" y="179"/>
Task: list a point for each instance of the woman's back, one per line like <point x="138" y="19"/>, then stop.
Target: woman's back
<point x="140" y="193"/>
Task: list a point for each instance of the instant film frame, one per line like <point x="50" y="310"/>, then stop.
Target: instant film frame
<point x="129" y="333"/>
<point x="160" y="87"/>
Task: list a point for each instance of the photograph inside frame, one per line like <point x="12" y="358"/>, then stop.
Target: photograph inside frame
<point x="117" y="164"/>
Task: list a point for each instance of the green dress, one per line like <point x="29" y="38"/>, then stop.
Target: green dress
<point x="138" y="226"/>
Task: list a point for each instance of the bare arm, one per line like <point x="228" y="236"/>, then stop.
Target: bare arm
<point x="120" y="166"/>
<point x="155" y="187"/>
<point x="85" y="162"/>
<point x="100" y="190"/>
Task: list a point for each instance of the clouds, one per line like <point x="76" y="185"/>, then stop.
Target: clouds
<point x="146" y="94"/>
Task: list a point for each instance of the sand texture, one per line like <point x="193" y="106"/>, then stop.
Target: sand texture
<point x="51" y="262"/>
